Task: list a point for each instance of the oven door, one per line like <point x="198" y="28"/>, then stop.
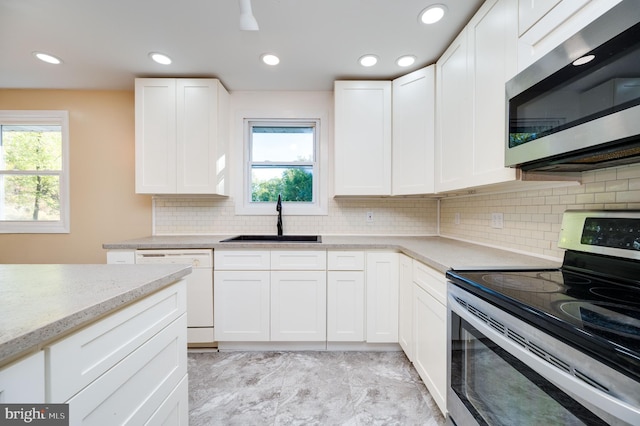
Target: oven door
<point x="492" y="381"/>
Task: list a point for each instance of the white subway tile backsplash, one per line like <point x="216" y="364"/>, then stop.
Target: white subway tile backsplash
<point x="532" y="218"/>
<point x="179" y="216"/>
<point x="611" y="189"/>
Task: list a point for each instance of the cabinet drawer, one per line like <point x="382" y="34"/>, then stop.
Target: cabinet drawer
<point x="79" y="359"/>
<point x="241" y="260"/>
<point x="345" y="260"/>
<point x="133" y="389"/>
<point x="310" y="260"/>
<point x="431" y="281"/>
<point x="125" y="257"/>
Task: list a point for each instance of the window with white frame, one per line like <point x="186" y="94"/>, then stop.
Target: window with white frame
<point x="282" y="158"/>
<point x="34" y="172"/>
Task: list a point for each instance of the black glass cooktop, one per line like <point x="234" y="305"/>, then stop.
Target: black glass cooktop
<point x="595" y="314"/>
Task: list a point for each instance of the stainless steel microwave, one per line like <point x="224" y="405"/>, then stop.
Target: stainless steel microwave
<point x="578" y="107"/>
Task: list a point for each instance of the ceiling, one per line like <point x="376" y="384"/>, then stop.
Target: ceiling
<point x="104" y="44"/>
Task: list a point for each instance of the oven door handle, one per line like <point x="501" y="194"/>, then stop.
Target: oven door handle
<point x="593" y="398"/>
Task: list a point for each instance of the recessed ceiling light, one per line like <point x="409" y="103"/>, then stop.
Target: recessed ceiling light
<point x="160" y="58"/>
<point x="432" y="14"/>
<point x="368" y="60"/>
<point x="406" y="61"/>
<point x="270" y="59"/>
<point x="45" y="57"/>
<point x="585" y="59"/>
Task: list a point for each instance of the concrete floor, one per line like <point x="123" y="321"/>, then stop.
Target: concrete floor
<point x="307" y="388"/>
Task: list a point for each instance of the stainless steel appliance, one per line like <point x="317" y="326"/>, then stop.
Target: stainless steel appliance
<point x="551" y="346"/>
<point x="574" y="116"/>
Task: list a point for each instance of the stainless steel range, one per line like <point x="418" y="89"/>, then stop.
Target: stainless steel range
<point x="555" y="346"/>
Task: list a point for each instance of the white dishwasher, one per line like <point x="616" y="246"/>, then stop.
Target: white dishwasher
<point x="199" y="288"/>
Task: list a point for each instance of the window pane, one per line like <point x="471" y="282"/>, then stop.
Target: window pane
<point x="31" y="148"/>
<point x="30" y="198"/>
<point x="282" y="143"/>
<point x="294" y="183"/>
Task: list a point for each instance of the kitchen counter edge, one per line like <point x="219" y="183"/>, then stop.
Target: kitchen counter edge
<point x="440" y="253"/>
<point x="36" y="315"/>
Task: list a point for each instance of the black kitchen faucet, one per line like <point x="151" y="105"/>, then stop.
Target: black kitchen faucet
<point x="279" y="210"/>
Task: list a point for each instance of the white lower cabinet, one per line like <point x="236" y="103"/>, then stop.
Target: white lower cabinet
<point x="257" y="300"/>
<point x="128" y="368"/>
<point x="405" y="305"/>
<point x="430" y="331"/>
<point x="298" y="306"/>
<point x="132" y="391"/>
<point x="345" y="296"/>
<point x="382" y="297"/>
<point x="241" y="306"/>
<point x="345" y="306"/>
<point x="23" y="381"/>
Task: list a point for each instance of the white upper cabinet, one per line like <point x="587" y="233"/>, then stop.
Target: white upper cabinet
<point x="470" y="99"/>
<point x="181" y="136"/>
<point x="492" y="61"/>
<point x="413" y="132"/>
<point x="453" y="129"/>
<point x="544" y="24"/>
<point x="362" y="137"/>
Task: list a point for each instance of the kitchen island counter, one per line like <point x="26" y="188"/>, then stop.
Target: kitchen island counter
<point x="42" y="303"/>
<point x="437" y="252"/>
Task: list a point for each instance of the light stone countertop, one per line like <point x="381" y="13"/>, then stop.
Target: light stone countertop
<point x="437" y="252"/>
<point x="41" y="303"/>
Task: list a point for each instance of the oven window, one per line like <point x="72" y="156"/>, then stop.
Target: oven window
<point x="498" y="389"/>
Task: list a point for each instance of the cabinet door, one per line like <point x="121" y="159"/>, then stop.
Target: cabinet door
<point x="200" y="298"/>
<point x="430" y="356"/>
<point x="23" y="381"/>
<point x="382" y="297"/>
<point x="197" y="133"/>
<point x="362" y="137"/>
<point x="345" y="306"/>
<point x="547" y="23"/>
<point x="201" y="140"/>
<point x="241" y="306"/>
<point x="454" y="146"/>
<point x="155" y="109"/>
<point x="405" y="306"/>
<point x="414" y="132"/>
<point x="298" y="306"/>
<point x="492" y="61"/>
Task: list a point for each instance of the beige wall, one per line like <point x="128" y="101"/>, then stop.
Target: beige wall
<point x="104" y="206"/>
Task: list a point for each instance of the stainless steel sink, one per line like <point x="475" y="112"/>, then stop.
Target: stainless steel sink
<point x="274" y="238"/>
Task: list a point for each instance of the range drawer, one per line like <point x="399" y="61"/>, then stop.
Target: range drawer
<point x="77" y="360"/>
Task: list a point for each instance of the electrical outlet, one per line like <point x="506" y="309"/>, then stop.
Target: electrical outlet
<point x="369" y="218"/>
<point x="456" y="219"/>
<point x="497" y="220"/>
